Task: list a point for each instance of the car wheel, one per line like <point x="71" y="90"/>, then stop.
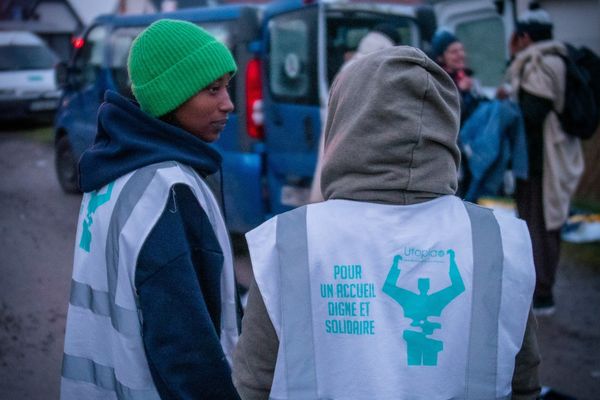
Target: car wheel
<point x="66" y="166"/>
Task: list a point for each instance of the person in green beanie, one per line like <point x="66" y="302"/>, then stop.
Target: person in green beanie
<point x="152" y="312"/>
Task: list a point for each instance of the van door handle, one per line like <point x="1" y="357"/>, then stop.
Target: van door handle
<point x="309" y="132"/>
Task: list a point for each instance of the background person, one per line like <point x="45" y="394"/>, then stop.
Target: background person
<point x="152" y="310"/>
<point x="450" y="54"/>
<point x="537" y="77"/>
<point x="353" y="296"/>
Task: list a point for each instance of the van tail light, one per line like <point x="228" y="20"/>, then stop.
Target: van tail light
<point x="77" y="42"/>
<point x="254" y="100"/>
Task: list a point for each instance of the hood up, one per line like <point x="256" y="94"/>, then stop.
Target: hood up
<point x="391" y="130"/>
<point x="129" y="139"/>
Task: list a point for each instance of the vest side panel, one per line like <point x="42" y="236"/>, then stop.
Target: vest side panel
<point x="229" y="328"/>
<point x="518" y="283"/>
<point x="114" y="345"/>
<point x="103" y="345"/>
<point x="265" y="265"/>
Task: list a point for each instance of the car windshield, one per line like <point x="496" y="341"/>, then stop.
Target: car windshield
<point x="22" y="57"/>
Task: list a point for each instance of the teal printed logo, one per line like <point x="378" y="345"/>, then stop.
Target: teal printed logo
<point x="421" y="349"/>
<point x="96" y="201"/>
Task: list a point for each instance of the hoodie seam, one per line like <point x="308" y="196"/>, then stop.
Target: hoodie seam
<point x="412" y="152"/>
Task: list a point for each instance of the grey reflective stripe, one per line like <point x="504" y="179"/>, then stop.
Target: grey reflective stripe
<point x="82" y="295"/>
<point x="488" y="261"/>
<point x="212" y="218"/>
<point x="296" y="305"/>
<point x="82" y="369"/>
<point x="125" y="321"/>
<point x="229" y="313"/>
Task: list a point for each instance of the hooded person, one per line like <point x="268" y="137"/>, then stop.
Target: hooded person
<point x="152" y="312"/>
<point x="392" y="273"/>
<point x="537" y="79"/>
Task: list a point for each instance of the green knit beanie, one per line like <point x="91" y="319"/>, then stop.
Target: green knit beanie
<point x="171" y="61"/>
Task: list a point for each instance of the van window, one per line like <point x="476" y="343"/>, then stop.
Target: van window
<point x="346" y="29"/>
<point x="486" y="49"/>
<point x="89" y="59"/>
<point x="292" y="45"/>
<point x="26" y="57"/>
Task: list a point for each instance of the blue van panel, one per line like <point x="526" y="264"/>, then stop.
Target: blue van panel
<point x="283" y="6"/>
<point x="292" y="143"/>
<point x="244" y="205"/>
<point x="296" y="131"/>
<point x="244" y="208"/>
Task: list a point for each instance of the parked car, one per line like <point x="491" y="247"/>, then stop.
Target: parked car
<point x="27" y="81"/>
<point x="288" y="53"/>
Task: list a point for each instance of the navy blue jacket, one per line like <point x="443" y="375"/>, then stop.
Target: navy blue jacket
<point x="178" y="271"/>
<point x="493" y="140"/>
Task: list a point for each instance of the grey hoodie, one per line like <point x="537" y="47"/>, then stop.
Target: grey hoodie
<point x="390" y="138"/>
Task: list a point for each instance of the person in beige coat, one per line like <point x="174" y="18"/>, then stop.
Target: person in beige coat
<point x="537" y="77"/>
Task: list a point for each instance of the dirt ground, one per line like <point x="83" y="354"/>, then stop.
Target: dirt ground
<point x="37" y="229"/>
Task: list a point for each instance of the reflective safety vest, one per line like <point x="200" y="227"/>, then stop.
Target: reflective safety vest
<point x="371" y="301"/>
<point x="104" y="353"/>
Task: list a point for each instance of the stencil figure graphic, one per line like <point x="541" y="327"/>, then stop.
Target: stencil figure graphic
<point x="421" y="349"/>
<point x="96" y="200"/>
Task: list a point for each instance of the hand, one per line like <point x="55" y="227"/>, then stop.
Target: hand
<point x="463" y="81"/>
<point x="503" y="92"/>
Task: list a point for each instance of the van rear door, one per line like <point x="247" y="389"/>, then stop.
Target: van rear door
<point x="291" y="101"/>
<point x="305" y="43"/>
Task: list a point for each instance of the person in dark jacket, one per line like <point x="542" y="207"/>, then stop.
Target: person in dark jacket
<point x="152" y="312"/>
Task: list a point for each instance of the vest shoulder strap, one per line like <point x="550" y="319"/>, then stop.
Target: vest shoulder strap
<point x="298" y="342"/>
<point x="488" y="262"/>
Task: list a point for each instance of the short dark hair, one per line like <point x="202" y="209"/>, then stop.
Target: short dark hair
<point x="536" y="23"/>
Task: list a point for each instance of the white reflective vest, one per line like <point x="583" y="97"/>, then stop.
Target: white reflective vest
<point x="104" y="354"/>
<point x="370" y="301"/>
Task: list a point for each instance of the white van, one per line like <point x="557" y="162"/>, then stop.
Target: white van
<point x="27" y="78"/>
